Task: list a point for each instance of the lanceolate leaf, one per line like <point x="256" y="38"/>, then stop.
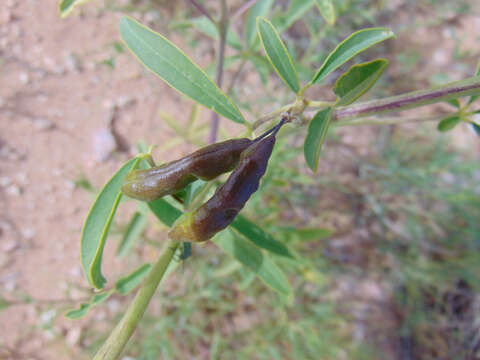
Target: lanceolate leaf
<point x="78" y="313"/>
<point x="66" y="6"/>
<point x="351" y="46"/>
<point x="358" y="80"/>
<point x="205" y="26"/>
<point x="261" y="8"/>
<point x="476" y="128"/>
<point x="84" y="307"/>
<point x="259" y="237"/>
<point x="326" y="10"/>
<point x="295" y="11"/>
<point x="250" y="256"/>
<point x="134" y="229"/>
<point x="97" y="224"/>
<point x="165" y="212"/>
<point x="317" y="129"/>
<point x="131" y="281"/>
<point x="167" y="61"/>
<point x="277" y="53"/>
<point x="449" y="123"/>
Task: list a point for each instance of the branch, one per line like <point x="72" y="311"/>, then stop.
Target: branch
<point x="243" y="8"/>
<point x="204" y="11"/>
<point x="117" y="340"/>
<point x="410" y="100"/>
<point x="222" y="29"/>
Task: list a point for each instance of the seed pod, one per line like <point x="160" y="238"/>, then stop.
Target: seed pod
<point x="206" y="164"/>
<point x="218" y="212"/>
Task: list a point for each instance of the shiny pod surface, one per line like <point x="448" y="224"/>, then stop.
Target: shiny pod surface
<point x="206" y="164"/>
<point x="219" y="212"/>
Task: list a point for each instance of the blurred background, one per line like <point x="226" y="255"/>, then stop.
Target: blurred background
<point x="389" y="249"/>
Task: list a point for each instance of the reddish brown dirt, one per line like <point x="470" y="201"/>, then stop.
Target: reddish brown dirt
<point x="56" y="101"/>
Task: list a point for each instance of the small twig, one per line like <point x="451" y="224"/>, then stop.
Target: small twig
<point x="243" y="8"/>
<point x="270" y="116"/>
<point x="114" y="345"/>
<point x="222" y="28"/>
<point x="386" y="121"/>
<point x="410" y="100"/>
<point x="204" y="11"/>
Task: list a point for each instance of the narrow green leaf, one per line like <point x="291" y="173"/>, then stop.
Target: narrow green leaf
<point x="261" y="8"/>
<point x="351" y="46"/>
<point x="192" y="190"/>
<point x="165" y="212"/>
<point x="454" y="102"/>
<point x="97" y="224"/>
<point x="206" y="27"/>
<point x="448" y="123"/>
<point x="84" y="307"/>
<point x="101" y="297"/>
<point x="304" y="234"/>
<point x="308" y="234"/>
<point x="476" y="127"/>
<point x="358" y="80"/>
<point x="131" y="281"/>
<point x="295" y="11"/>
<point x="65" y="7"/>
<point x="327" y="10"/>
<point x="259" y="237"/>
<point x="167" y="61"/>
<point x="135" y="228"/>
<point x="277" y="53"/>
<point x="475" y="97"/>
<point x="78" y="313"/>
<point x="250" y="256"/>
<point x="186" y="250"/>
<point x="317" y="129"/>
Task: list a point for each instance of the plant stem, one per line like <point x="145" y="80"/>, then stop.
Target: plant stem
<point x="272" y="115"/>
<point x="117" y="340"/>
<point x="200" y="8"/>
<point x="410" y="100"/>
<point x="385" y="120"/>
<point x="247" y="5"/>
<point x="222" y="29"/>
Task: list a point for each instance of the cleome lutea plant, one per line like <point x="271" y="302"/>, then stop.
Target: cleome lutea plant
<point x="176" y="192"/>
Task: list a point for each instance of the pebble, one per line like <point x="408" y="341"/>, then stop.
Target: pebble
<point x="24" y="78"/>
<point x="13" y="190"/>
<point x="43" y="124"/>
<point x="73" y="336"/>
<point x="104" y="144"/>
<point x="125" y="101"/>
<point x="9" y="246"/>
<point x="5" y="181"/>
<point x="29" y="233"/>
<point x="47" y="316"/>
<point x="72" y="63"/>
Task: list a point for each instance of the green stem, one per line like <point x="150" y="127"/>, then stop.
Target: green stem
<point x="385" y="120"/>
<point x="117" y="340"/>
<point x="222" y="29"/>
<point x="410" y="100"/>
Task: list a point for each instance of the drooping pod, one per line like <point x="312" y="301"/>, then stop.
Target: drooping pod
<point x="206" y="164"/>
<point x="220" y="210"/>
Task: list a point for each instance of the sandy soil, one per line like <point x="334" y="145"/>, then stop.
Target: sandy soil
<point x="57" y="100"/>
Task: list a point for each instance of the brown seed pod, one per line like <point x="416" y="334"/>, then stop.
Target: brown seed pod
<point x="220" y="210"/>
<point x="206" y="164"/>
